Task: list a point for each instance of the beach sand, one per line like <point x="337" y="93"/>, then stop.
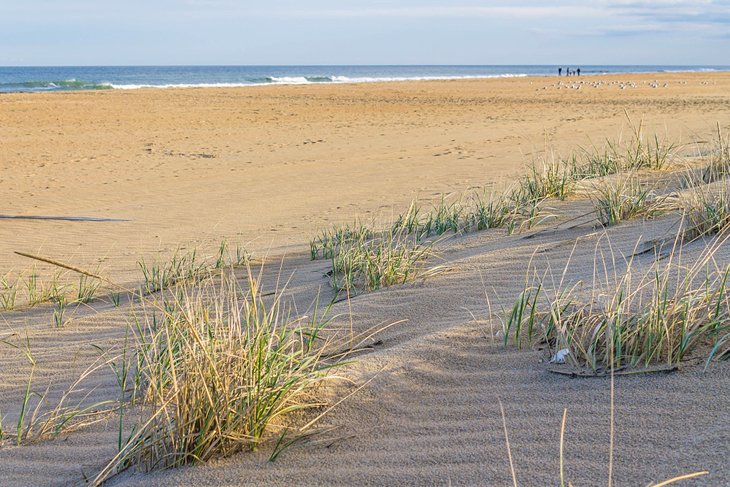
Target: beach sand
<point x="267" y="167"/>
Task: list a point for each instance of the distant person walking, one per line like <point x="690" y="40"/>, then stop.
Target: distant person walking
<point x="560" y="71"/>
<point x="578" y="71"/>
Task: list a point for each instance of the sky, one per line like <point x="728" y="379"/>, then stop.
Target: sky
<point x="291" y="32"/>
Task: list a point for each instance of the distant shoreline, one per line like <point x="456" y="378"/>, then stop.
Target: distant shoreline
<point x="100" y="78"/>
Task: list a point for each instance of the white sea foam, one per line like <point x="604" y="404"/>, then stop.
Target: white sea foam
<point x="288" y="80"/>
<point x="698" y="70"/>
<point x="179" y="85"/>
<point x="301" y="80"/>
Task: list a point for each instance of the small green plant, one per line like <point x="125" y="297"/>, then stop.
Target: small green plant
<point x="243" y="257"/>
<point x="707" y="212"/>
<point x="392" y="258"/>
<point x="329" y="242"/>
<point x="616" y="202"/>
<point x="491" y="211"/>
<point x="444" y="217"/>
<point x="220" y="260"/>
<point x="116" y="298"/>
<point x="410" y="221"/>
<point x="33" y="289"/>
<point x="181" y="267"/>
<point x="8" y="292"/>
<point x="551" y="179"/>
<point x="59" y="311"/>
<point x="88" y="287"/>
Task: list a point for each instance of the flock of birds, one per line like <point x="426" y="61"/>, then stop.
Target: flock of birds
<point x="622" y="85"/>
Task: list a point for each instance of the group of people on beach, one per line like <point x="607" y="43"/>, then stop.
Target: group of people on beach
<point x="568" y="72"/>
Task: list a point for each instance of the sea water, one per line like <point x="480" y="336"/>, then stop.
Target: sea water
<point x="69" y="78"/>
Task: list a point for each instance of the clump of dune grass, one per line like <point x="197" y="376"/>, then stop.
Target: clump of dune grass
<point x="498" y="211"/>
<point x="87" y="289"/>
<point x="59" y="312"/>
<point x="718" y="167"/>
<point x="638" y="152"/>
<point x="218" y="371"/>
<point x="633" y="318"/>
<point x="557" y="177"/>
<point x="160" y="275"/>
<point x="445" y="216"/>
<point x="554" y="178"/>
<point x="39" y="291"/>
<point x="227" y="258"/>
<point x="707" y="210"/>
<point x="369" y="264"/>
<point x="622" y="200"/>
<point x="328" y="242"/>
<point x="511" y="210"/>
<point x="642" y="153"/>
<point x="520" y="206"/>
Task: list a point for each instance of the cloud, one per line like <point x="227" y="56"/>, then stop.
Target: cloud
<point x="700" y="12"/>
<point x="507" y="11"/>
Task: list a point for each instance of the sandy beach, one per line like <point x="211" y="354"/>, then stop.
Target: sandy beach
<point x="268" y="167"/>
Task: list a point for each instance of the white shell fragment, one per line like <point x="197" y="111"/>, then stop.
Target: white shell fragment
<point x="559" y="357"/>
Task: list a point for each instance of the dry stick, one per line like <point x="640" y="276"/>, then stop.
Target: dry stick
<point x="506" y="439"/>
<point x="681" y="477"/>
<point x="86" y="273"/>
<point x="562" y="436"/>
<point x="64" y="266"/>
<point x="610" y="448"/>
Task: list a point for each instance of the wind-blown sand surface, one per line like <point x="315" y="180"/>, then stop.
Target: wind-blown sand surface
<point x="268" y="167"/>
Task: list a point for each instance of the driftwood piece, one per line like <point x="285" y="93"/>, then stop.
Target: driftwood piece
<point x="587" y="373"/>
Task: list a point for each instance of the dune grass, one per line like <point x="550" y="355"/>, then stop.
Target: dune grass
<point x="87" y="289"/>
<point x="188" y="267"/>
<point x="707" y="210"/>
<point x="218" y="370"/>
<point x="553" y="177"/>
<point x="8" y="292"/>
<point x="481" y="211"/>
<point x="622" y="200"/>
<point x="635" y="317"/>
<point x="385" y="260"/>
<point x="329" y="242"/>
<point x="160" y="275"/>
<point x="718" y="166"/>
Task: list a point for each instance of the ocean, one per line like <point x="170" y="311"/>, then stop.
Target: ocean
<point x="68" y="78"/>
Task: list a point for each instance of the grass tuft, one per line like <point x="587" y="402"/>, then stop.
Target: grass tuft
<point x="8" y="292"/>
<point x="707" y="211"/>
<point x="655" y="316"/>
<point x="181" y="267"/>
<point x="218" y="370"/>
<point x="392" y="258"/>
<point x="619" y="201"/>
